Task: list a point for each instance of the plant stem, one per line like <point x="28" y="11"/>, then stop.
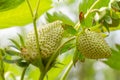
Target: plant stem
<point x="30" y="8"/>
<point x="35" y="30"/>
<point x="37" y="7"/>
<point x="88" y="12"/>
<point x="42" y="75"/>
<point x="94" y="4"/>
<point x="23" y="73"/>
<point x="67" y="71"/>
<point x="2" y="70"/>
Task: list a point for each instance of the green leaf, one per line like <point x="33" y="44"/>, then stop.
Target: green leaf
<point x="59" y="16"/>
<point x="75" y="56"/>
<point x="11" y="61"/>
<point x="21" y="40"/>
<point x="108" y="19"/>
<point x="22" y="64"/>
<point x="113" y="61"/>
<point x="21" y="15"/>
<point x="78" y="56"/>
<point x="116" y="5"/>
<point x="9" y="4"/>
<point x="69" y="29"/>
<point x="85" y="5"/>
<point x="11" y="52"/>
<point x="17" y="45"/>
<point x="102" y="3"/>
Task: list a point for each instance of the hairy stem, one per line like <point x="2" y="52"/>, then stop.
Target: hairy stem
<point x="23" y="73"/>
<point x="67" y="71"/>
<point x="35" y="29"/>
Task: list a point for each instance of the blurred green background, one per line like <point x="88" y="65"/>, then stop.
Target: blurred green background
<point x="17" y="19"/>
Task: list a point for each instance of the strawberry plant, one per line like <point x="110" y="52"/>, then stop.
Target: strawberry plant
<point x="63" y="35"/>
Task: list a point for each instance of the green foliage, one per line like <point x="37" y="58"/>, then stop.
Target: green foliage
<point x="113" y="61"/>
<point x="59" y="16"/>
<point x="21" y="15"/>
<point x="85" y="5"/>
<point x="9" y="4"/>
<point x="99" y="15"/>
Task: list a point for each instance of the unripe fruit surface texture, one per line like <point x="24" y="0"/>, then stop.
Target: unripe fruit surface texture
<point x="50" y="37"/>
<point x="92" y="45"/>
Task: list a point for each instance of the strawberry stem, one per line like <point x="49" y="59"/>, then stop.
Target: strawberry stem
<point x="2" y="70"/>
<point x="23" y="73"/>
<point x="67" y="71"/>
<point x="42" y="75"/>
<point x="34" y="16"/>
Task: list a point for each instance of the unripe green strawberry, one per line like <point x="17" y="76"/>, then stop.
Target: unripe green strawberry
<point x="50" y="37"/>
<point x="92" y="45"/>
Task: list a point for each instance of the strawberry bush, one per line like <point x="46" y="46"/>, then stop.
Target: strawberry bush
<point x="54" y="38"/>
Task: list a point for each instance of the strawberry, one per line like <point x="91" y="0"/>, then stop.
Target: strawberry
<point x="92" y="45"/>
<point x="50" y="37"/>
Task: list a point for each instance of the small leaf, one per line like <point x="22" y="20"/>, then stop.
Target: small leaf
<point x="113" y="61"/>
<point x="69" y="29"/>
<point x="75" y="57"/>
<point x="10" y="61"/>
<point x="81" y="57"/>
<point x="15" y="43"/>
<point x="22" y="64"/>
<point x="115" y="5"/>
<point x="78" y="56"/>
<point x="11" y="52"/>
<point x="108" y="19"/>
<point x="21" y="40"/>
<point x="59" y="16"/>
<point x="106" y="26"/>
<point x="85" y="5"/>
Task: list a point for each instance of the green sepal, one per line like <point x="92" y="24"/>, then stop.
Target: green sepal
<point x="75" y="57"/>
<point x="21" y="40"/>
<point x="11" y="52"/>
<point x="15" y="43"/>
<point x="78" y="56"/>
<point x="22" y="63"/>
<point x="11" y="61"/>
<point x="69" y="29"/>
